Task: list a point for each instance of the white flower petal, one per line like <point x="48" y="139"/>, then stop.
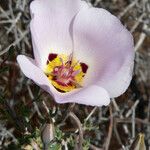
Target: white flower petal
<point x="93" y="95"/>
<point x="50" y="26"/>
<point x="103" y="43"/>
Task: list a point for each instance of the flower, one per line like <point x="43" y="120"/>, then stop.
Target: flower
<point x="82" y="54"/>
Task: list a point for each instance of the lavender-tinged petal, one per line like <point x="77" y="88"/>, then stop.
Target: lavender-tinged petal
<point x="50" y="26"/>
<point x="92" y="95"/>
<point x="103" y="43"/>
<point x="29" y="68"/>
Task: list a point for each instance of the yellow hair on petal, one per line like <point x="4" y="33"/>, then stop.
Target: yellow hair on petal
<point x="58" y="62"/>
<point x="63" y="88"/>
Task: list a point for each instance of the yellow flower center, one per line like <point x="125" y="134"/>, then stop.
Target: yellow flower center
<point x="65" y="72"/>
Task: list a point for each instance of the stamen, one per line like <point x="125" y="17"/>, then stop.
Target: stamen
<point x="65" y="72"/>
<point x="70" y="57"/>
<point x="76" y="72"/>
<point x="61" y="61"/>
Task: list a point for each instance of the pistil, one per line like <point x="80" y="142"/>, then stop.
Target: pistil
<point x="65" y="73"/>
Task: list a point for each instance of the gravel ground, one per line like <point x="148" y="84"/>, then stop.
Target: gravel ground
<point x="25" y="109"/>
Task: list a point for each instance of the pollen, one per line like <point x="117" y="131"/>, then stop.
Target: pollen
<point x="65" y="72"/>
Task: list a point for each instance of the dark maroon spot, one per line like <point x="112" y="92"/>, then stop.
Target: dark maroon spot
<point x="61" y="91"/>
<point x="52" y="56"/>
<point x="47" y="62"/>
<point x="84" y="67"/>
<point x="54" y="78"/>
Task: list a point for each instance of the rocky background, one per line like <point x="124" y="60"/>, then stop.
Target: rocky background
<point x="30" y="119"/>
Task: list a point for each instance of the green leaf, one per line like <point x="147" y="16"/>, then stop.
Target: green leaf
<point x="58" y="134"/>
<point x="55" y="146"/>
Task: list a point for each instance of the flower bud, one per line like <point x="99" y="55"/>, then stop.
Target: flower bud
<point x="47" y="133"/>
